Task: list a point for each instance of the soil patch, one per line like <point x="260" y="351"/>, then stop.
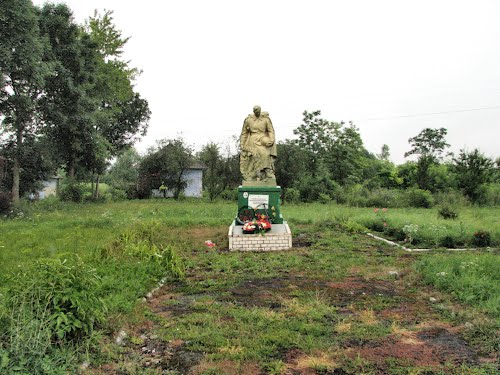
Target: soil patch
<point x="432" y="347"/>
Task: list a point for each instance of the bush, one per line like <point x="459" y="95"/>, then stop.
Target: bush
<point x="229" y="194"/>
<point x="292" y="195"/>
<point x="448" y="242"/>
<point x="418" y="198"/>
<point x="447" y="213"/>
<point x="488" y="195"/>
<point x="324" y="198"/>
<point x="60" y="292"/>
<point x="383" y="198"/>
<point x="72" y="191"/>
<point x="452" y="198"/>
<point x="481" y="238"/>
<point x="5" y="203"/>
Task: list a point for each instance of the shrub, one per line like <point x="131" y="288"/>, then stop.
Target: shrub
<point x="447" y="213"/>
<point x="61" y="293"/>
<point x="324" y="198"/>
<point x="72" y="191"/>
<point x="452" y="198"/>
<point x="419" y="198"/>
<point x="5" y="203"/>
<point x="229" y="194"/>
<point x="448" y="242"/>
<point x="383" y="198"/>
<point x="481" y="238"/>
<point x="292" y="195"/>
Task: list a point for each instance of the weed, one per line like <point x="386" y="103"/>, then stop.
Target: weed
<point x="481" y="238"/>
<point x="447" y="212"/>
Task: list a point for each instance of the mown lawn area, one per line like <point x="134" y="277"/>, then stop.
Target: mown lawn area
<point x="338" y="302"/>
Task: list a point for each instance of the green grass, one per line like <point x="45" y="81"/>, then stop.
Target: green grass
<point x="254" y="308"/>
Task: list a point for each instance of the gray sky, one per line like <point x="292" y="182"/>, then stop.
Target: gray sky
<point x="392" y="67"/>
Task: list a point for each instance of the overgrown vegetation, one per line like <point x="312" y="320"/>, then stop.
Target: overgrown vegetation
<point x="80" y="270"/>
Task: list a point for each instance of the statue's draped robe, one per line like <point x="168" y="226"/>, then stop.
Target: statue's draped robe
<point x="258" y="148"/>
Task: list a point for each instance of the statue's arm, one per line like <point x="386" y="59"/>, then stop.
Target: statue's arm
<point x="244" y="136"/>
<point x="270" y="132"/>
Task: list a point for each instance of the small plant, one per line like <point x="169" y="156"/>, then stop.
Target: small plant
<point x="410" y="231"/>
<point x="324" y="198"/>
<point x="448" y="242"/>
<point x="292" y="195"/>
<point x="447" y="212"/>
<point x="59" y="295"/>
<point x="481" y="238"/>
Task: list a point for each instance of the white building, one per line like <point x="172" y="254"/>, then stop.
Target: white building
<point x="193" y="176"/>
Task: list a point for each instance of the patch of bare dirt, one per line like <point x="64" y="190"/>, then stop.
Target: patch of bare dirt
<point x="433" y="347"/>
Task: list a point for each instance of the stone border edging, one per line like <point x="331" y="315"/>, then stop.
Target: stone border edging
<point x="392" y="243"/>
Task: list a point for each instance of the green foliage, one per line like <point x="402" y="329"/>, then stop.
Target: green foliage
<point x="213" y="181"/>
<point x="446" y="212"/>
<point x="62" y="290"/>
<point x="473" y="169"/>
<point x="71" y="191"/>
<point x="419" y="198"/>
<point x="430" y="145"/>
<point x="166" y="164"/>
<point x="5" y="203"/>
<point x="292" y="195"/>
<point x="471" y="278"/>
<point x="481" y="238"/>
<point x="324" y="198"/>
<point x="229" y="195"/>
<point x="23" y="72"/>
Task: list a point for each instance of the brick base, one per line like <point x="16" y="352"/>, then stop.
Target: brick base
<point x="278" y="238"/>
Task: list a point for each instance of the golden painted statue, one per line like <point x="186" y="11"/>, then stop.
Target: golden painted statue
<point x="258" y="149"/>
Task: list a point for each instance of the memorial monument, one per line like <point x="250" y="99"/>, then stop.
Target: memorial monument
<point x="259" y="196"/>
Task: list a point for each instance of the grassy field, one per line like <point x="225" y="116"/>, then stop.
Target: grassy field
<point x="339" y="301"/>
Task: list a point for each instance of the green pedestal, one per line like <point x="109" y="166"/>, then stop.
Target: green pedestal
<point x="258" y="196"/>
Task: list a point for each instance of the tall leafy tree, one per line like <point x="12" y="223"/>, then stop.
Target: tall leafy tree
<point x="430" y="145"/>
<point x="68" y="107"/>
<point x="22" y="74"/>
<point x="213" y="181"/>
<point x="122" y="115"/>
<point x="473" y="169"/>
<point x="333" y="145"/>
<point x="166" y="164"/>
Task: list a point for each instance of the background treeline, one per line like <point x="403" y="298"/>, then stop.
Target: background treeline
<point x="326" y="162"/>
<point x="67" y="100"/>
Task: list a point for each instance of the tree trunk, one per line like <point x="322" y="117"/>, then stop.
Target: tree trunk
<point x="16" y="168"/>
<point x="16" y="177"/>
<point x="71" y="169"/>
<point x="97" y="186"/>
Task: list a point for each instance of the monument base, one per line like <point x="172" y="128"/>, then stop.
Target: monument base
<point x="278" y="238"/>
<point x="259" y="197"/>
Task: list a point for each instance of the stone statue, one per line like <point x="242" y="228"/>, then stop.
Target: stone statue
<point x="258" y="149"/>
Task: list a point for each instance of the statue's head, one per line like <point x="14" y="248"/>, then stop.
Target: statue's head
<point x="256" y="110"/>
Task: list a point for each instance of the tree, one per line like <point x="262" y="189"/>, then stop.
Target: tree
<point x="430" y="144"/>
<point x="332" y="145"/>
<point x="121" y="113"/>
<point x="125" y="171"/>
<point x="68" y="106"/>
<point x="291" y="164"/>
<point x="473" y="169"/>
<point x="22" y="74"/>
<point x="213" y="181"/>
<point x="165" y="164"/>
<point x="384" y="153"/>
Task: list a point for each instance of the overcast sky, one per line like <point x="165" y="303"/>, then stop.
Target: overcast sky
<point x="392" y="67"/>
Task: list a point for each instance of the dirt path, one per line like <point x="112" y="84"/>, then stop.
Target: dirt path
<point x="322" y="312"/>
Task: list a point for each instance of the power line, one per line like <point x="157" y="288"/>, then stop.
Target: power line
<point x="432" y="113"/>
